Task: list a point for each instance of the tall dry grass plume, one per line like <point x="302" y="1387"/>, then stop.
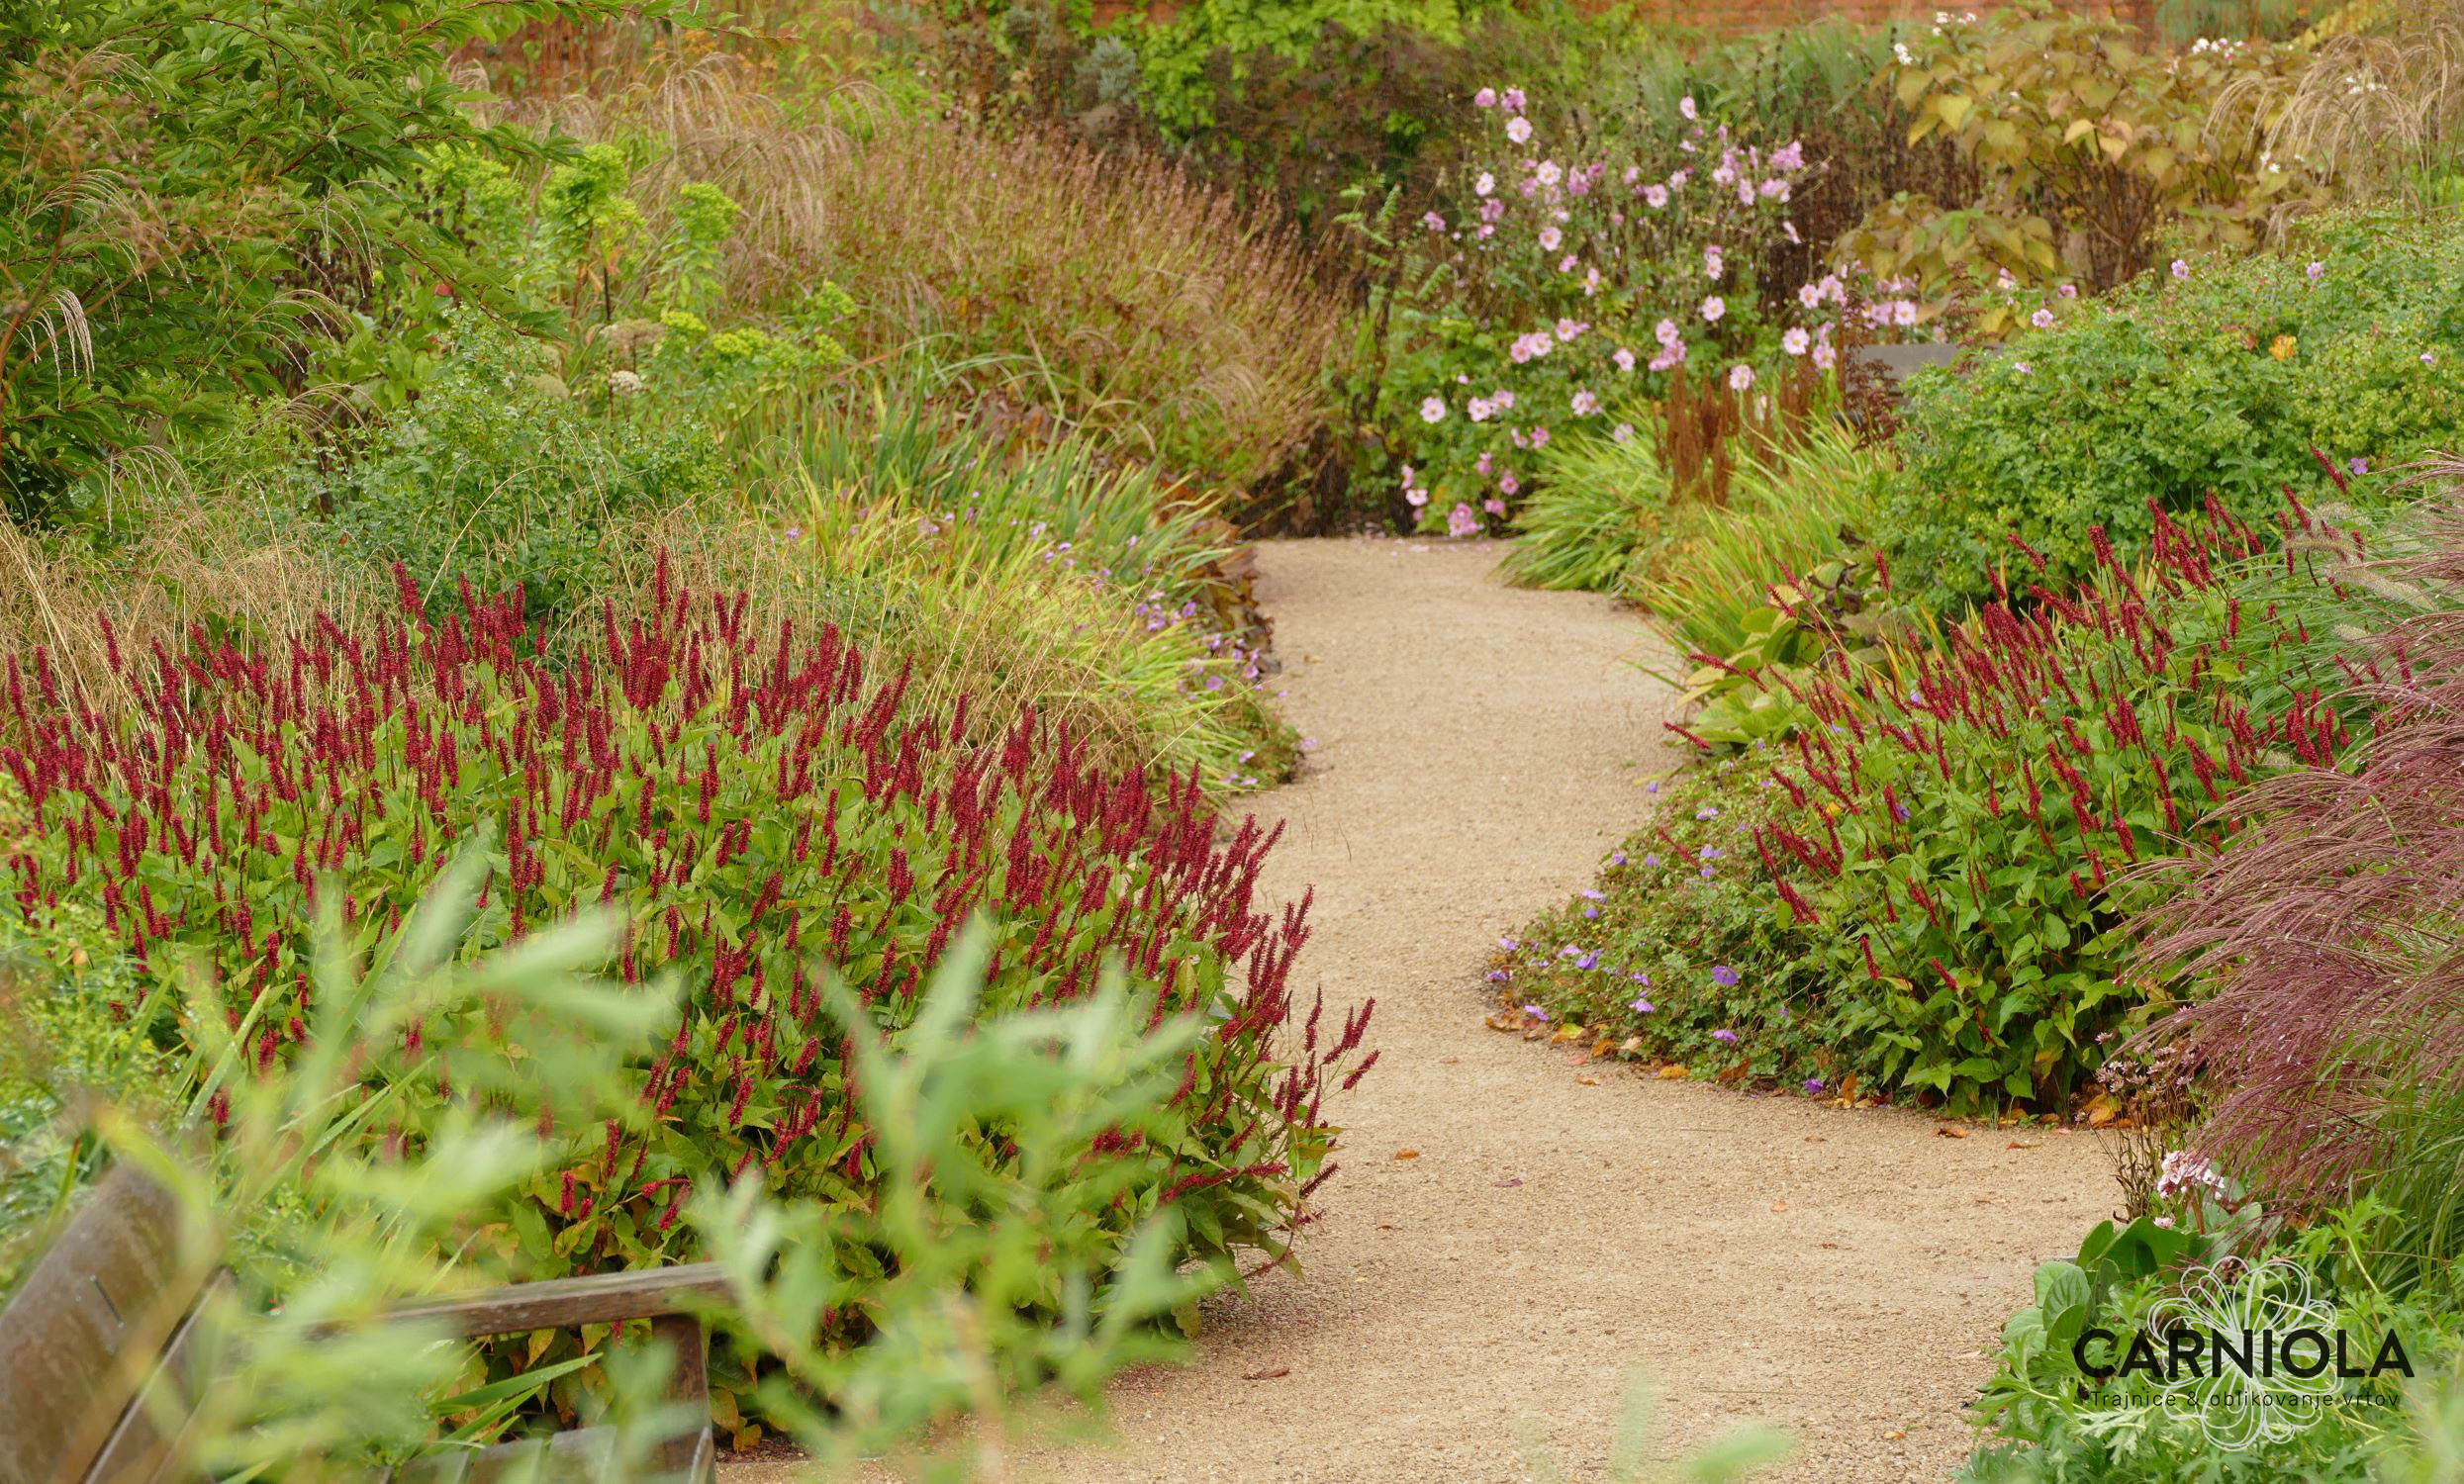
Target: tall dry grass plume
<point x="1109" y="288"/>
<point x="2380" y="103"/>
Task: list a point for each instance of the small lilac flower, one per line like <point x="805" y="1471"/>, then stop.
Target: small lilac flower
<point x="1484" y="98"/>
<point x="1625" y="358"/>
<point x="1713" y="307"/>
<point x="1651" y="860"/>
<point x="1656" y="196"/>
<point x="2429" y="357"/>
<point x="1585" y="403"/>
<point x="2360" y="466"/>
<point x="2317" y="272"/>
<point x="2042" y="319"/>
<point x="1550" y="236"/>
<point x="1642" y="1006"/>
<point x="1740" y="377"/>
<point x="1536" y="1012"/>
<point x="2181" y="268"/>
<point x="1623" y="432"/>
<point x="1725" y="1038"/>
<point x="1513" y="99"/>
<point x="1508" y="944"/>
<point x="1462" y="521"/>
<point x="1685" y="106"/>
<point x="1432" y="410"/>
<point x="1723" y="975"/>
<point x="1484" y="185"/>
<point x="1519" y="129"/>
<point x="1796" y="341"/>
<point x="1814" y="1086"/>
<point x="1494" y="506"/>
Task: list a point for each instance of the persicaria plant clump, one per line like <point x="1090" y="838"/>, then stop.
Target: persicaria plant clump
<point x="1962" y="826"/>
<point x="751" y="804"/>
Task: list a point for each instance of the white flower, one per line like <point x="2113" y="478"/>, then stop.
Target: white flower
<point x="624" y="383"/>
<point x="1519" y="129"/>
<point x="1796" y="341"/>
<point x="1740" y="377"/>
<point x="1433" y="409"/>
<point x="1486" y="184"/>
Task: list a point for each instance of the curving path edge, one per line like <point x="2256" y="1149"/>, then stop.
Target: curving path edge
<point x="1845" y="1274"/>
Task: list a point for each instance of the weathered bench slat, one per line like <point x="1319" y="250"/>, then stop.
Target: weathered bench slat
<point x="109" y="1287"/>
<point x="99" y="1370"/>
<point x="564" y="1303"/>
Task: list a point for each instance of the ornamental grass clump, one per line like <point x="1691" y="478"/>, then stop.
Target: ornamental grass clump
<point x="759" y="810"/>
<point x="2321" y="941"/>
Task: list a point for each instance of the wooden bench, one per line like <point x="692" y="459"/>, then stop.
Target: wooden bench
<point x="97" y="1349"/>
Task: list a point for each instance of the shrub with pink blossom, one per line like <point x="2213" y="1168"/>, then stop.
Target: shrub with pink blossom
<point x="1565" y="284"/>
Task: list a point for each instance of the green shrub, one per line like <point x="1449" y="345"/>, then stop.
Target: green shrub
<point x="192" y="207"/>
<point x="2088" y="148"/>
<point x="504" y="476"/>
<point x="2351" y="345"/>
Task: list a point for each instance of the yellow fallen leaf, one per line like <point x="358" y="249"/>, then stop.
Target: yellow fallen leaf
<point x="1779" y="1205"/>
<point x="1588" y="1081"/>
<point x="1407" y="1153"/>
<point x="1946" y="1131"/>
<point x="1674" y="1070"/>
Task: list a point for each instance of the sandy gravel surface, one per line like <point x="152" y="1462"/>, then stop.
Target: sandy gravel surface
<point x="1844" y="1273"/>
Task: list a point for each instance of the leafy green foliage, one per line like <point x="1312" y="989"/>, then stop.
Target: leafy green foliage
<point x="2353" y="344"/>
<point x="2086" y="143"/>
<point x="2052" y="1422"/>
<point x="328" y="1215"/>
<point x="192" y="203"/>
<point x="501" y="476"/>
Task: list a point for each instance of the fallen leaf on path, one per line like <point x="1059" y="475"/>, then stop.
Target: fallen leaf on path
<point x="1271" y="1373"/>
<point x="1895" y="1435"/>
<point x="1674" y="1071"/>
<point x="1508" y="1184"/>
<point x="1407" y="1153"/>
<point x="1947" y="1132"/>
<point x="1587" y="1081"/>
<point x="2027" y="1144"/>
<point x="1779" y="1205"/>
<point x="1816" y="1139"/>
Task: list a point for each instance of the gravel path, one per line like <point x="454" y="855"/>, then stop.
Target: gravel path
<point x="1844" y="1273"/>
